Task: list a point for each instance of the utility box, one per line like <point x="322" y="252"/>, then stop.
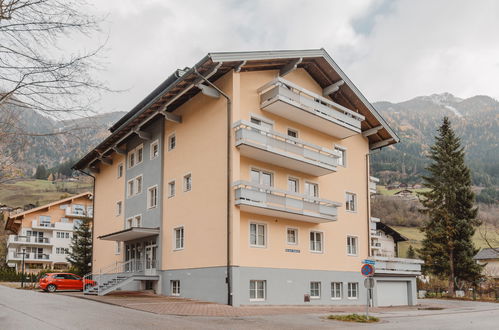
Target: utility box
<point x="306" y="297"/>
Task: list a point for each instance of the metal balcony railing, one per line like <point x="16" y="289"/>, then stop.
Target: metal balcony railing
<point x="30" y="239"/>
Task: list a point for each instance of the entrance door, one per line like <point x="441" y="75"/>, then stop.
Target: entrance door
<point x="150" y="257"/>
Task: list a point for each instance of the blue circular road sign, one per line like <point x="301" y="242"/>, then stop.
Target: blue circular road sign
<point x="367" y="270"/>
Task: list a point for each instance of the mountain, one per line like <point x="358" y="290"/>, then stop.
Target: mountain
<point x="475" y="120"/>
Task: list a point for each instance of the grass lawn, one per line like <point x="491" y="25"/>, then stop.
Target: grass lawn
<point x="39" y="192"/>
<point x="383" y="191"/>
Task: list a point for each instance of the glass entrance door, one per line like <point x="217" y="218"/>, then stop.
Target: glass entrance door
<point x="150" y="257"/>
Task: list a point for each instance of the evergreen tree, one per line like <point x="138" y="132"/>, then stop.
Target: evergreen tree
<point x="80" y="253"/>
<point x="447" y="248"/>
<point x="411" y="253"/>
<point x="41" y="172"/>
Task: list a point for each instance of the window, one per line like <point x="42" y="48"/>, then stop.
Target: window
<point x="66" y="235"/>
<point x="257" y="290"/>
<point x="175" y="287"/>
<point x="120" y="170"/>
<point x="262" y="177"/>
<point x="64" y="220"/>
<point x="152" y="197"/>
<point x="351" y="202"/>
<point x="135" y="156"/>
<point x="179" y="238"/>
<point x="315" y="290"/>
<point x="119" y="206"/>
<point x="130" y="188"/>
<point x="336" y="290"/>
<point x="171" y="188"/>
<point x="137" y="221"/>
<point x="44" y="221"/>
<point x="342" y="160"/>
<point x="78" y="209"/>
<point x="188" y="182"/>
<point x="353" y="290"/>
<point x="172" y="142"/>
<point x="154" y="149"/>
<point x="257" y="234"/>
<point x="138" y="185"/>
<point x="316" y="241"/>
<point x="352" y="245"/>
<point x="293" y="185"/>
<point x="90" y="211"/>
<point x="131" y="160"/>
<point x="293" y="133"/>
<point x="311" y="189"/>
<point x="117" y="248"/>
<point x="128" y="223"/>
<point x="134" y="186"/>
<point x="292" y="236"/>
<point x="140" y="154"/>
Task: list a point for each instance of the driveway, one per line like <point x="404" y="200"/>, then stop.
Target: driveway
<point x="20" y="309"/>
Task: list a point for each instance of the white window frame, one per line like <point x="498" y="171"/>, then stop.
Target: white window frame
<point x="355" y="202"/>
<point x="182" y="238"/>
<point x="117" y="248"/>
<point x="137" y="192"/>
<point x="172" y="135"/>
<point x="139" y="147"/>
<point x="135" y="152"/>
<point x="311" y="183"/>
<point x="175" y="288"/>
<point x="356" y="245"/>
<point x="256" y="298"/>
<point x="170" y="185"/>
<point x="319" y="289"/>
<point x="343" y="151"/>
<point x="121" y="170"/>
<point x="153" y="144"/>
<point x="149" y="199"/>
<point x="290" y="178"/>
<point x="296" y="235"/>
<point x="188" y="175"/>
<point x="265" y="234"/>
<point x="119" y="208"/>
<point x="261" y="170"/>
<point x="334" y="291"/>
<point x="130" y="189"/>
<point x="350" y="286"/>
<point x="322" y="241"/>
<point x="136" y="223"/>
<point x="129" y="223"/>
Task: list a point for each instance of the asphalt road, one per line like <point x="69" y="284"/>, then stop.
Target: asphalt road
<point x="21" y="309"/>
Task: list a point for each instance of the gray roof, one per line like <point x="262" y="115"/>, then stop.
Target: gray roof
<point x="487" y="254"/>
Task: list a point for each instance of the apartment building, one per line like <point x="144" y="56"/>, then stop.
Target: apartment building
<point x="44" y="233"/>
<point x="241" y="180"/>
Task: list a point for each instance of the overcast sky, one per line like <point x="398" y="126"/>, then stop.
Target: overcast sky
<point x="392" y="50"/>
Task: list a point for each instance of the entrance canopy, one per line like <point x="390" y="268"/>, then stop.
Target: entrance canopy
<point x="130" y="234"/>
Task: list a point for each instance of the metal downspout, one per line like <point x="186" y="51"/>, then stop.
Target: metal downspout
<point x="229" y="125"/>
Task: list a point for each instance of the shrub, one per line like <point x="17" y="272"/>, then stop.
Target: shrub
<point x="354" y="318"/>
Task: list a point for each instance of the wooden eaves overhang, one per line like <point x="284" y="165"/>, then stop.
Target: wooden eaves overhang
<point x="185" y="84"/>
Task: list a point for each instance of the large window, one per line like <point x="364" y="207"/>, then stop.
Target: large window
<point x="351" y="202"/>
<point x="336" y="290"/>
<point x="134" y="186"/>
<point x="315" y="290"/>
<point x="135" y="156"/>
<point x="262" y="177"/>
<point x="188" y="182"/>
<point x="257" y="234"/>
<point x="152" y="197"/>
<point x="179" y="238"/>
<point x="311" y="189"/>
<point x="316" y="239"/>
<point x="175" y="287"/>
<point x="342" y="160"/>
<point x="352" y="245"/>
<point x="353" y="290"/>
<point x="292" y="236"/>
<point x="257" y="290"/>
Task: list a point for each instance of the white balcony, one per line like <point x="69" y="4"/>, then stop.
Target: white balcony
<point x="396" y="266"/>
<point x="28" y="256"/>
<point x="257" y="142"/>
<point x="78" y="213"/>
<point x="28" y="240"/>
<point x="52" y="226"/>
<point x="376" y="245"/>
<point x="373" y="184"/>
<point x="290" y="101"/>
<point x="274" y="202"/>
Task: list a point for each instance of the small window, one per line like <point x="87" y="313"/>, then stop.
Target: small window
<point x="353" y="290"/>
<point x="179" y="238"/>
<point x="352" y="245"/>
<point x="140" y="154"/>
<point x="171" y="189"/>
<point x="117" y="248"/>
<point x="311" y="189"/>
<point x="130" y="188"/>
<point x="315" y="290"/>
<point x="336" y="290"/>
<point x="137" y="221"/>
<point x="293" y="133"/>
<point x="119" y="207"/>
<point x="316" y="239"/>
<point x="257" y="290"/>
<point x="131" y="159"/>
<point x="293" y="185"/>
<point x="188" y="182"/>
<point x="120" y="170"/>
<point x="351" y="202"/>
<point x="292" y="235"/>
<point x="152" y="197"/>
<point x="154" y="149"/>
<point x="67" y="235"/>
<point x="175" y="287"/>
<point x="172" y="142"/>
<point x="128" y="223"/>
<point x="257" y="234"/>
<point x="342" y="160"/>
<point x="138" y="185"/>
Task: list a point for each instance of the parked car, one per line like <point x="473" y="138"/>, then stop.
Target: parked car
<point x="52" y="282"/>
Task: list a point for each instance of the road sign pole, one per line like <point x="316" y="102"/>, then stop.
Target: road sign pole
<point x="367" y="304"/>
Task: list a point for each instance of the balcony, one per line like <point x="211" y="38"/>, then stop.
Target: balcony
<point x="276" y="148"/>
<point x="78" y="213"/>
<point x="376" y="246"/>
<point x="27" y="240"/>
<point x="290" y="101"/>
<point x="396" y="266"/>
<point x="52" y="226"/>
<point x="274" y="202"/>
<point x="28" y="256"/>
<point x="373" y="184"/>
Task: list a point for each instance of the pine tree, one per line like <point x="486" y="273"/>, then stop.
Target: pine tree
<point x="80" y="253"/>
<point x="41" y="172"/>
<point x="447" y="248"/>
<point x="411" y="253"/>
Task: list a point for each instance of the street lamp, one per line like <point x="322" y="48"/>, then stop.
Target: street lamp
<point x="22" y="268"/>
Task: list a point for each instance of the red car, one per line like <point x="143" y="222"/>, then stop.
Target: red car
<point x="52" y="282"/>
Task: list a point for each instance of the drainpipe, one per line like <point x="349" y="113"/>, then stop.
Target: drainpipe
<point x="93" y="211"/>
<point x="229" y="125"/>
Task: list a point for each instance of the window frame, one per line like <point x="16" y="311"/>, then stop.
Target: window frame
<point x="153" y="144"/>
<point x="319" y="289"/>
<point x="296" y="235"/>
<point x="135" y="153"/>
<point x="118" y="208"/>
<point x="316" y="184"/>
<point x="149" y="198"/>
<point x="322" y="241"/>
<point x="297" y="184"/>
<point x="129" y="222"/>
<point x="265" y="234"/>
<point x="355" y="202"/>
<point x="260" y="178"/>
<point x="121" y="170"/>
<point x="175" y="284"/>
<point x="137" y="192"/>
<point x="174" y="185"/>
<point x="117" y="248"/>
<point x="187" y="175"/>
<point x="182" y="238"/>
<point x="356" y="245"/>
<point x="256" y="290"/>
<point x="343" y="151"/>
<point x="333" y="289"/>
<point x="172" y="135"/>
<point x="350" y="290"/>
<point x="130" y="188"/>
<point x="295" y="131"/>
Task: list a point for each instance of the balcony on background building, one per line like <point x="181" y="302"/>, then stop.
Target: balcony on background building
<point x="27" y="240"/>
<point x="274" y="202"/>
<point x="373" y="184"/>
<point x="36" y="224"/>
<point x="266" y="145"/>
<point x="290" y="101"/>
<point x="28" y="256"/>
<point x="396" y="266"/>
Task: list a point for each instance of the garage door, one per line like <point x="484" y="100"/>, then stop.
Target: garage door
<point x="392" y="293"/>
